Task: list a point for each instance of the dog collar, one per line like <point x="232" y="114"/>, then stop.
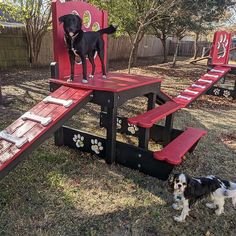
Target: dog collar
<point x="71" y="43"/>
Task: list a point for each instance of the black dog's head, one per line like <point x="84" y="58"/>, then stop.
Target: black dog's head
<point x="72" y="24"/>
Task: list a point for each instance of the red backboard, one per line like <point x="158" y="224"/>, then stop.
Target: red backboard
<point x="221" y="43"/>
<point x="93" y="20"/>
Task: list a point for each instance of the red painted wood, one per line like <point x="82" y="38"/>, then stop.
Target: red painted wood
<point x="221" y="42"/>
<point x="115" y="82"/>
<point x="28" y="125"/>
<point x="201" y="91"/>
<point x="175" y="150"/>
<point x="166" y="94"/>
<point x="149" y="118"/>
<point x="60" y="51"/>
<point x="55" y="111"/>
<point x="231" y="66"/>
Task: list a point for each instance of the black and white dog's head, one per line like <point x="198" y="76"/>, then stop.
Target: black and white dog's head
<point x="187" y="190"/>
<point x="72" y="24"/>
<point x="179" y="182"/>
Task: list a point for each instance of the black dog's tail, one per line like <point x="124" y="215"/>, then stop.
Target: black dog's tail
<point x="109" y="30"/>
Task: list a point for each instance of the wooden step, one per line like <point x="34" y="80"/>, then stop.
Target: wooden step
<point x="149" y="118"/>
<point x="174" y="151"/>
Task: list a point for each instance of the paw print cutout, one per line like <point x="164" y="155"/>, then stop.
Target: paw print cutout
<point x="216" y="91"/>
<point x="96" y="146"/>
<point x="222" y="45"/>
<point x="226" y="93"/>
<point x="118" y="123"/>
<point x="132" y="128"/>
<point x="79" y="140"/>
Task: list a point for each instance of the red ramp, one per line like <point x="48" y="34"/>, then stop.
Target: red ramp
<point x="38" y="124"/>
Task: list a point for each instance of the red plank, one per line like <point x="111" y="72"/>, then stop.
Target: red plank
<point x="115" y="82"/>
<point x="185" y="102"/>
<point x="174" y="151"/>
<point x="35" y="131"/>
<point x="149" y="118"/>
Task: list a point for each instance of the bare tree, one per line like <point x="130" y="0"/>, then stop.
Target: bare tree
<point x="36" y="15"/>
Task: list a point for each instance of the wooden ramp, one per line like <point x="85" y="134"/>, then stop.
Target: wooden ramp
<point x="38" y="124"/>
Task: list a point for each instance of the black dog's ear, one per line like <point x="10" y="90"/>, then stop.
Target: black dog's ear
<point x="79" y="22"/>
<point x="62" y="19"/>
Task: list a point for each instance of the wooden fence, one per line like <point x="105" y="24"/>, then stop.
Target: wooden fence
<point x="118" y="48"/>
<point x="186" y="48"/>
<point x="13" y="47"/>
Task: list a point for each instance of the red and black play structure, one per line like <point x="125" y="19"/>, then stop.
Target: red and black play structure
<point x="48" y="117"/>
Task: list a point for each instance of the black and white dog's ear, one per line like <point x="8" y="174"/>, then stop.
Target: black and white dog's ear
<point x="170" y="181"/>
<point x="190" y="189"/>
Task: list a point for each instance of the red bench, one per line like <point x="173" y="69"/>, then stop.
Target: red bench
<point x="149" y="118"/>
<point x="174" y="151"/>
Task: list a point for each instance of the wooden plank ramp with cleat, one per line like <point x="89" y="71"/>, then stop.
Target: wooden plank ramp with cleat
<point x="201" y="86"/>
<point x="38" y="124"/>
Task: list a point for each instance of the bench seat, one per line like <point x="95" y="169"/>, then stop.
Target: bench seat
<point x="175" y="150"/>
<point x="149" y="118"/>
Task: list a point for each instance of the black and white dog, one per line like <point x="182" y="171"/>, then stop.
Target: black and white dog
<point x="82" y="44"/>
<point x="188" y="190"/>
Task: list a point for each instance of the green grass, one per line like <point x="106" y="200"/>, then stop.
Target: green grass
<point x="59" y="191"/>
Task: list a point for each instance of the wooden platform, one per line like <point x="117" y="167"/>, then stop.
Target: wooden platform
<point x="115" y="82"/>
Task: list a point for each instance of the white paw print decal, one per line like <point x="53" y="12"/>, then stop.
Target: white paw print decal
<point x="118" y="123"/>
<point x="216" y="91"/>
<point x="222" y="44"/>
<point x="132" y="128"/>
<point x="79" y="140"/>
<point x="96" y="146"/>
<point x="226" y="93"/>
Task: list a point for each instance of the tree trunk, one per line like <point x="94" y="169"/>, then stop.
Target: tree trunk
<point x="1" y="102"/>
<point x="134" y="50"/>
<point x="135" y="55"/>
<point x="196" y="45"/>
<point x="163" y="41"/>
<point x="176" y="52"/>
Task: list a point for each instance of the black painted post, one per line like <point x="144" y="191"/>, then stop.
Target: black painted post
<point x="144" y="136"/>
<point x="234" y="91"/>
<point x="151" y="101"/>
<point x="168" y="129"/>
<point x="58" y="135"/>
<point x="111" y="135"/>
<point x="54" y="70"/>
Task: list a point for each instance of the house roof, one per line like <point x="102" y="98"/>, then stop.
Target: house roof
<point x="9" y="22"/>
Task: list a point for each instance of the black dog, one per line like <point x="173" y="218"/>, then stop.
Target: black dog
<point x="83" y="44"/>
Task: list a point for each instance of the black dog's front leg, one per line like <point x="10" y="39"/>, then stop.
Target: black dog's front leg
<point x="83" y="59"/>
<point x="72" y="66"/>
